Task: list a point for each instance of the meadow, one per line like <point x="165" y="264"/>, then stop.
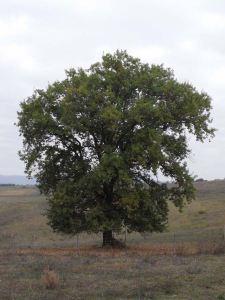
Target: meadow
<point x="185" y="262"/>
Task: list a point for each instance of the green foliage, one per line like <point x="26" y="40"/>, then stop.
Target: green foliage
<point x="97" y="140"/>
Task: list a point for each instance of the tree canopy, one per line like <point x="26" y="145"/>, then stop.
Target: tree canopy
<point x="97" y="140"/>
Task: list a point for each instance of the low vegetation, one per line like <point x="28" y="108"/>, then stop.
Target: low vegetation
<point x="186" y="262"/>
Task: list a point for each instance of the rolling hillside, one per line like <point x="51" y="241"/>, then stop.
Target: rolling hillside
<point x="183" y="263"/>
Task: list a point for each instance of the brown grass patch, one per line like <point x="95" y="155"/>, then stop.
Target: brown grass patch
<point x="50" y="278"/>
<point x="178" y="249"/>
<point x="18" y="191"/>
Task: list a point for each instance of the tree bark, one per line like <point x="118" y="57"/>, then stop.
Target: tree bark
<point x="107" y="238"/>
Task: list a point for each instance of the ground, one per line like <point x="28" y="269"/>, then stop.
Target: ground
<point x="186" y="262"/>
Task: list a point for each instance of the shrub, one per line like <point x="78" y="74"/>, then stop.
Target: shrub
<point x="50" y="279"/>
<point x="201" y="212"/>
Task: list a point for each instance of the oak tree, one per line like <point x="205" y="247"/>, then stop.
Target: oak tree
<point x="96" y="141"/>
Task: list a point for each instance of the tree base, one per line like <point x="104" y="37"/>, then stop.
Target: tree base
<point x="110" y="242"/>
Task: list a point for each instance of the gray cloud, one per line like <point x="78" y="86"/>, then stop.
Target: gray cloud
<point x="40" y="39"/>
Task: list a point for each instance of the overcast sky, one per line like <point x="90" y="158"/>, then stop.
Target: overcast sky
<point x="40" y="39"/>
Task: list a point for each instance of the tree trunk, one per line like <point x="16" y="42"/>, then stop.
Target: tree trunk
<point x="107" y="238"/>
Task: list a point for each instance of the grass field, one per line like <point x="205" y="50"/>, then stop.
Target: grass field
<point x="186" y="262"/>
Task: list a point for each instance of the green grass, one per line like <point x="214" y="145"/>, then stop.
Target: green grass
<point x="92" y="273"/>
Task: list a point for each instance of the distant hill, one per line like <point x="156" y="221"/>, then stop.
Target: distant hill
<point x="212" y="188"/>
<point x="16" y="179"/>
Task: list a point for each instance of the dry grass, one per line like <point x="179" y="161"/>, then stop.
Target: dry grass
<point x="184" y="263"/>
<point x="88" y="275"/>
<point x="50" y="278"/>
<point x="18" y="191"/>
<point x="23" y="223"/>
<point x="167" y="249"/>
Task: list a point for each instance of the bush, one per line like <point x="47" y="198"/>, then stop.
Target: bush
<point x="201" y="212"/>
<point x="50" y="279"/>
